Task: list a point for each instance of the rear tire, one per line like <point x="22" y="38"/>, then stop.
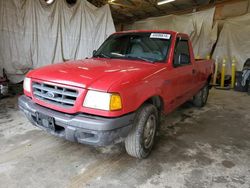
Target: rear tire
<point x="200" y="99"/>
<point x="141" y="138"/>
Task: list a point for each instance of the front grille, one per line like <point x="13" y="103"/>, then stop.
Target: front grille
<point x="56" y="95"/>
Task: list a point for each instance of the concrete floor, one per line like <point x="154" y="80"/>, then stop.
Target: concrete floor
<point x="208" y="147"/>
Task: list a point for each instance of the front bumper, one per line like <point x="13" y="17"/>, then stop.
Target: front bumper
<point x="82" y="128"/>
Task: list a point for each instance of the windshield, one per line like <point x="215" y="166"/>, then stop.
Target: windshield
<point x="151" y="47"/>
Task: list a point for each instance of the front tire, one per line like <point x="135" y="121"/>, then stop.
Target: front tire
<point x="200" y="99"/>
<point x="141" y="138"/>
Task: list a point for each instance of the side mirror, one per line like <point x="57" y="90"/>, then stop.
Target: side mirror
<point x="183" y="59"/>
<point x="94" y="52"/>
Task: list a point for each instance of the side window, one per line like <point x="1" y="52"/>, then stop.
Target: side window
<point x="181" y="53"/>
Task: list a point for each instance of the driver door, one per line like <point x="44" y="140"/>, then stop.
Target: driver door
<point x="184" y="69"/>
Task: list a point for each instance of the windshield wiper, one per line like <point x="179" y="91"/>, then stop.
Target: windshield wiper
<point x="102" y="55"/>
<point x="140" y="58"/>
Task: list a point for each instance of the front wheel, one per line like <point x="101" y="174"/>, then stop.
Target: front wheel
<point x="200" y="99"/>
<point x="141" y="138"/>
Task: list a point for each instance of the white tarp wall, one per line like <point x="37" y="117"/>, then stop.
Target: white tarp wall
<point x="234" y="42"/>
<point x="198" y="25"/>
<point x="34" y="34"/>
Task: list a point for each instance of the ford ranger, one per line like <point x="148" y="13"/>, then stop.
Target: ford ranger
<point x="119" y="93"/>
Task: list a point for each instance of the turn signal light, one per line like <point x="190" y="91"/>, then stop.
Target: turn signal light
<point x="115" y="102"/>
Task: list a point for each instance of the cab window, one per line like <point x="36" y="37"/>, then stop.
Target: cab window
<point x="181" y="53"/>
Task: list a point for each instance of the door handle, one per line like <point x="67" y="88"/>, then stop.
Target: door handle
<point x="193" y="71"/>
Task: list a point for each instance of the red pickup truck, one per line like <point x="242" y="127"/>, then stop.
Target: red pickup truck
<point x="119" y="93"/>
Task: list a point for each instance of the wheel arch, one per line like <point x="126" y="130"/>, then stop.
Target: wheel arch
<point x="209" y="78"/>
<point x="156" y="101"/>
<point x="209" y="81"/>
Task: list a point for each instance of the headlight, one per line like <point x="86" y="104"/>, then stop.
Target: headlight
<point x="103" y="101"/>
<point x="27" y="84"/>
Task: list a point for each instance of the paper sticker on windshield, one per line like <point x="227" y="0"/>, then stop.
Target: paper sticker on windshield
<point x="160" y="36"/>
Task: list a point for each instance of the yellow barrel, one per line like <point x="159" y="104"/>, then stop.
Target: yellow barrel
<point x="223" y="70"/>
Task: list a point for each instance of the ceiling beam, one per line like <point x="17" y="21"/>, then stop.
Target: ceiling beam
<point x="175" y="6"/>
<point x="138" y="8"/>
<point x="155" y="6"/>
<point x="121" y="5"/>
<point x="135" y="4"/>
<point x="131" y="2"/>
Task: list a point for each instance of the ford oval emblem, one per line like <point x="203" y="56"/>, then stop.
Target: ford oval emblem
<point x="50" y="94"/>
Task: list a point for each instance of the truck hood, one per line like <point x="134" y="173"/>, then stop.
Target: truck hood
<point x="95" y="73"/>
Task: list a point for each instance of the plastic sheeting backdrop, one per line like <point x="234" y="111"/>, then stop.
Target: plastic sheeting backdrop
<point x="234" y="42"/>
<point x="34" y="34"/>
<point x="198" y="25"/>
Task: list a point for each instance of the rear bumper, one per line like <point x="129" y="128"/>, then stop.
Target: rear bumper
<point x="82" y="128"/>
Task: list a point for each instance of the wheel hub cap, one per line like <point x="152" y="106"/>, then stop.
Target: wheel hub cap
<point x="149" y="131"/>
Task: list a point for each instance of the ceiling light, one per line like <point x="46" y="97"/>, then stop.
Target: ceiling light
<point x="49" y="1"/>
<point x="164" y="2"/>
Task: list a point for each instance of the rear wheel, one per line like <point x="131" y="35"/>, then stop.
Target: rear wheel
<point x="200" y="99"/>
<point x="140" y="140"/>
